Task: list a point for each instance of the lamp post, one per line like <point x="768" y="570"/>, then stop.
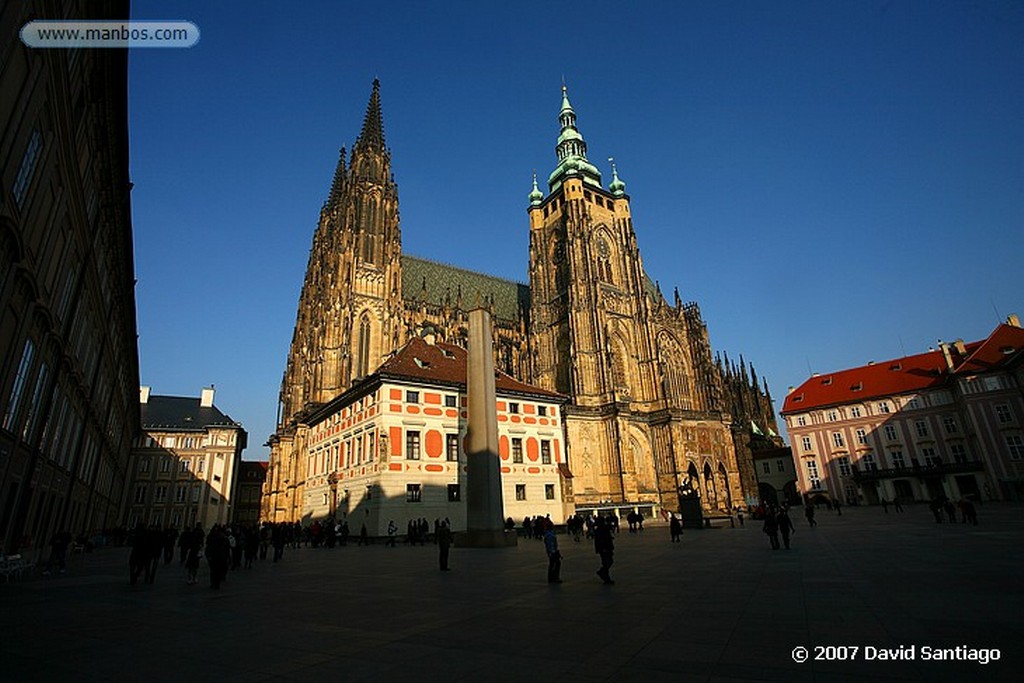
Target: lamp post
<point x="332" y="479"/>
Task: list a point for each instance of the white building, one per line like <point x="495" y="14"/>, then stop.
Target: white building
<point x="392" y="446"/>
<point x="184" y="466"/>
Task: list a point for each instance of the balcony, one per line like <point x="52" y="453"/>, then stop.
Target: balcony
<point x="936" y="469"/>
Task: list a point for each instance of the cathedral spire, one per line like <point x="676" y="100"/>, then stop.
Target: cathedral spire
<point x="571" y="150"/>
<point x="334" y="197"/>
<point x="373" y="126"/>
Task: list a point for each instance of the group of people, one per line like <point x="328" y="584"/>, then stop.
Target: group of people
<point x="968" y="513"/>
<point x="604" y="547"/>
<point x="777" y="523"/>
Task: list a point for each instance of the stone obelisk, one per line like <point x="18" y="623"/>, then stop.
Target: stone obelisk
<point x="484" y="522"/>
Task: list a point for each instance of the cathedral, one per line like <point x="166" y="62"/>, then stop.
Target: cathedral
<point x="649" y="408"/>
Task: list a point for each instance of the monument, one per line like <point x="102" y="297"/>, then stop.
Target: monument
<point x="484" y="523"/>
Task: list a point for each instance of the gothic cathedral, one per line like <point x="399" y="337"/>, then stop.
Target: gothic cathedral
<point x="648" y="409"/>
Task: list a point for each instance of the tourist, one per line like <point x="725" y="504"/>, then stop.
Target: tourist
<point x="786" y="527"/>
<point x="675" y="529"/>
<point x="605" y="547"/>
<point x="554" y="556"/>
<point x="444" y="542"/>
<point x="771" y="528"/>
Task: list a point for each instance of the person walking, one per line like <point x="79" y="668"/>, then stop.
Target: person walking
<point x="192" y="543"/>
<point x="896" y="504"/>
<point x="785" y="527"/>
<point x="675" y="529"/>
<point x="392" y="533"/>
<point x="771" y="528"/>
<point x="809" y="514"/>
<point x="554" y="556"/>
<point x="605" y="547"/>
<point x="444" y="543"/>
<point x="218" y="555"/>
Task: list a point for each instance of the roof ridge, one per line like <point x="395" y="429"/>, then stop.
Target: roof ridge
<point x="464" y="270"/>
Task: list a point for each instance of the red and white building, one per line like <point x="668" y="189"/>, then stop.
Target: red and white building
<point x="946" y="423"/>
<point x="393" y="446"/>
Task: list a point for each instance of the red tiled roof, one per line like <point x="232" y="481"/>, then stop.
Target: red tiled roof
<point x="904" y="375"/>
<point x="446" y="364"/>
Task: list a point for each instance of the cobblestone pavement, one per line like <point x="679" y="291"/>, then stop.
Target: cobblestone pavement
<point x="720" y="606"/>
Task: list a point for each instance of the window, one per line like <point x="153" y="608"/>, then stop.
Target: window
<point x="520" y="491"/>
<point x="195" y="493"/>
<point x="958" y="452"/>
<point x="140" y="493"/>
<point x="855" y="411"/>
<point x="545" y="452"/>
<point x="179" y="494"/>
<point x="20" y="379"/>
<point x="801" y="421"/>
<point x="449" y="401"/>
<point x="1003" y="413"/>
<point x="201" y="465"/>
<point x="812" y="474"/>
<point x="897" y="459"/>
<point x="413" y="493"/>
<point x="862" y="436"/>
<point x="837" y="439"/>
<point x="832" y="416"/>
<point x="766" y="467"/>
<point x="412" y="397"/>
<point x="851" y="493"/>
<point x="412" y="445"/>
<point x="542" y="410"/>
<point x="549" y="491"/>
<point x="844" y="466"/>
<point x="914" y="403"/>
<point x="161" y="493"/>
<point x="883" y="407"/>
<point x="452" y="447"/>
<point x="28" y="165"/>
<point x="921" y="427"/>
<point x="805" y="442"/>
<point x="144" y="465"/>
<point x="165" y="465"/>
<point x="517" y="450"/>
<point x="168" y="442"/>
<point x="780" y="465"/>
<point x="454" y="493"/>
<point x="993" y="383"/>
<point x="949" y="422"/>
<point x="216" y="478"/>
<point x="184" y="466"/>
<point x="1016" y="446"/>
<point x="867" y="461"/>
<point x="513" y="408"/>
<point x="930" y="458"/>
<point x="890" y="432"/>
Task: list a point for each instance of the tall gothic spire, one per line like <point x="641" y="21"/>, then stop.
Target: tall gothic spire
<point x="373" y="127"/>
<point x="336" y="185"/>
<point x="571" y="150"/>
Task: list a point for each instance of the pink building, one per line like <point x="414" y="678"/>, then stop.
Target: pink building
<point x="946" y="423"/>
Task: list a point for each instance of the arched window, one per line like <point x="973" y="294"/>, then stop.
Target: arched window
<point x="363" y="347"/>
<point x="604" y="260"/>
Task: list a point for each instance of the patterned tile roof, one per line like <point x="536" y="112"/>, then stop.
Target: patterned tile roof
<point x="441" y="363"/>
<point x="443" y="280"/>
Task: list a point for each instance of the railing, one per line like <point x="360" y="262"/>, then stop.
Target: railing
<point x="918" y="470"/>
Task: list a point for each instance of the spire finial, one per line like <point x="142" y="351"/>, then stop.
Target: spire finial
<point x="373" y="127"/>
<point x="617" y="187"/>
<point x="535" y="196"/>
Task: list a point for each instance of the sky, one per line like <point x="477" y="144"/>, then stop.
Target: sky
<point x="833" y="183"/>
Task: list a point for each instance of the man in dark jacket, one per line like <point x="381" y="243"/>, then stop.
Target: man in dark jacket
<point x="605" y="547"/>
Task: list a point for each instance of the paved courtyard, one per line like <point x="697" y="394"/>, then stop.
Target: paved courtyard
<point x="720" y="606"/>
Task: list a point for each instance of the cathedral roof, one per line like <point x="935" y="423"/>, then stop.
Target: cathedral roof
<point x="444" y="281"/>
<point x="440" y="363"/>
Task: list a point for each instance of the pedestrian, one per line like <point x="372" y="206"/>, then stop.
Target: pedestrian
<point x="554" y="556"/>
<point x="218" y="555"/>
<point x="139" y="556"/>
<point x="885" y="506"/>
<point x="58" y="552"/>
<point x="392" y="533"/>
<point x="785" y="527"/>
<point x="364" y="538"/>
<point x="838" y="506"/>
<point x="739" y="515"/>
<point x="675" y="529"/>
<point x="896" y="504"/>
<point x="771" y="528"/>
<point x="192" y="544"/>
<point x="809" y="514"/>
<point x="444" y="542"/>
<point x="605" y="547"/>
<point x="155" y="549"/>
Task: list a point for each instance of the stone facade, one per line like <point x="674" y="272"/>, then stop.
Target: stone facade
<point x="648" y="403"/>
<point x="69" y="370"/>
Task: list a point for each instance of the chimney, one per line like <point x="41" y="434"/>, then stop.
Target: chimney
<point x="960" y="348"/>
<point x="206" y="398"/>
<point x="430" y="338"/>
<point x="945" y="353"/>
<point x="144" y="394"/>
<point x="1012" y="320"/>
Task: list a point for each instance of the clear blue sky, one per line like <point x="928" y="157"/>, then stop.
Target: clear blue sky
<point x="833" y="182"/>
